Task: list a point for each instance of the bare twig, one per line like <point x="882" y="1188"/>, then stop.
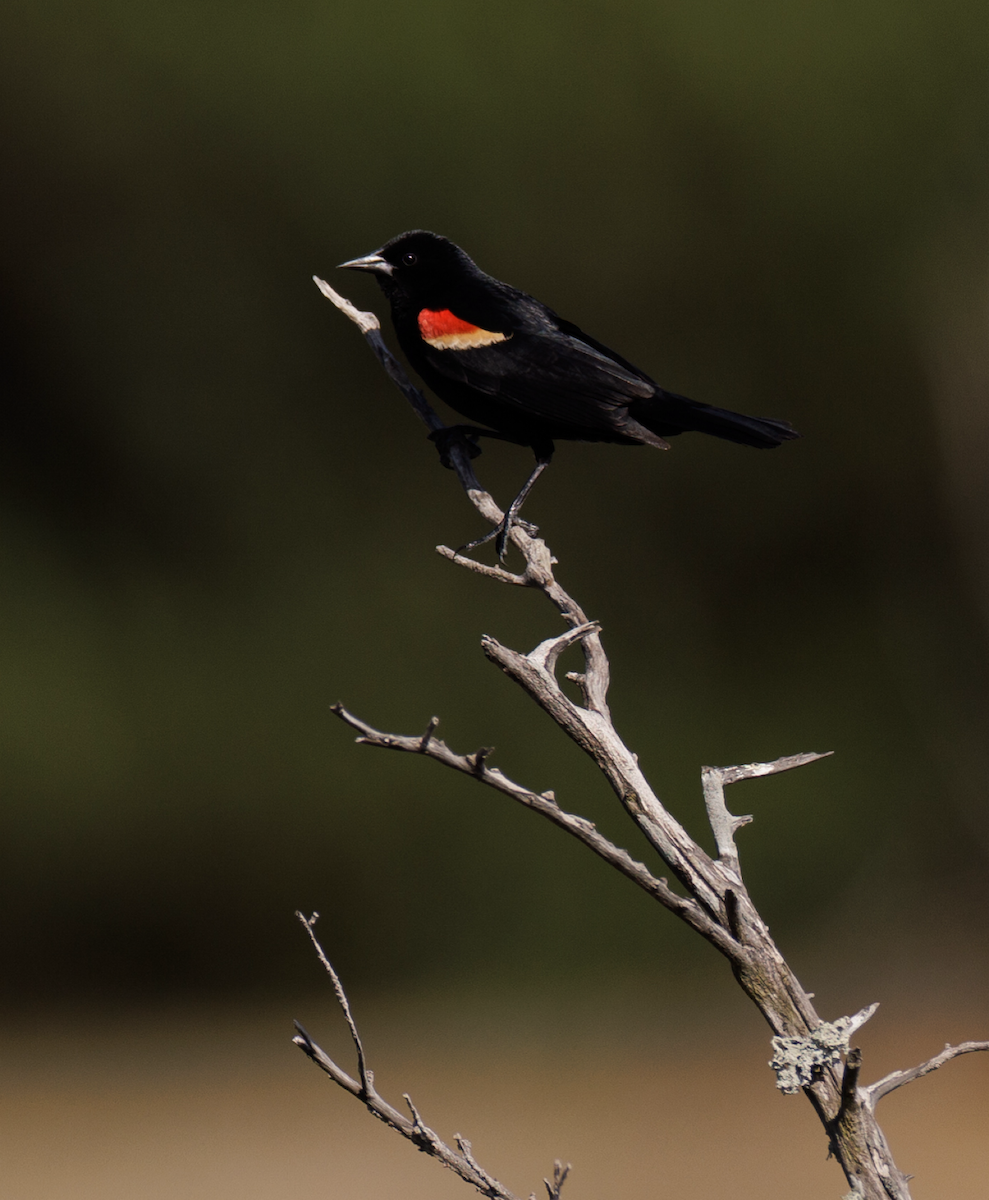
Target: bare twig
<point x="367" y="1079"/>
<point x="546" y="653"/>
<point x="465" y="1150"/>
<point x="716" y="779"/>
<point x="365" y="321"/>
<point x="560" y="1173"/>
<point x="416" y="1130"/>
<point x="546" y="805"/>
<point x="889" y="1083"/>
<point x="427" y="737"/>
<point x="370" y="326"/>
<point x="593" y="731"/>
<point x="459" y="452"/>
<point x="480" y="568"/>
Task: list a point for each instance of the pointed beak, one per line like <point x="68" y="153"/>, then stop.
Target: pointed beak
<point x="370" y="262"/>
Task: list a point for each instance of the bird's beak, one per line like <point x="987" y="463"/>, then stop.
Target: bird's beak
<point x="370" y="262"/>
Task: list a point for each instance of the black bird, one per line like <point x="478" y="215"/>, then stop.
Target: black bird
<point x="500" y="357"/>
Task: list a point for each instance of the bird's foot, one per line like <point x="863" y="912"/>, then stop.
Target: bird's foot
<point x="454" y="435"/>
<point x="500" y="535"/>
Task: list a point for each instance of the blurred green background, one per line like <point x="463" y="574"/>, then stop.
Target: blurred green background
<point x="218" y="517"/>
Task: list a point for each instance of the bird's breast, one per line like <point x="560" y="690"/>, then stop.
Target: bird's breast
<point x="444" y="330"/>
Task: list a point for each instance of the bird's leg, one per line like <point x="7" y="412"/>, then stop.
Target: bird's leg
<point x="511" y="517"/>
<point x="501" y="532"/>
<point x="467" y="435"/>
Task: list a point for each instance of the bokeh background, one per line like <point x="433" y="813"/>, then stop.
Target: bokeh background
<point x="218" y="517"/>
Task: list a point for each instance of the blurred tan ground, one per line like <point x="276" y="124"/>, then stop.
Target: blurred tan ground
<point x="217" y="1105"/>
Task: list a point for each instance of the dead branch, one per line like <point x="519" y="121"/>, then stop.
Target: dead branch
<point x="560" y="1173"/>
<point x="416" y="1130"/>
<point x="889" y="1083"/>
<point x="546" y="805"/>
<point x="807" y="1050"/>
<point x="714" y="780"/>
<point x="367" y="1079"/>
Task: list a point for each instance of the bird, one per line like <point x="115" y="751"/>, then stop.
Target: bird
<point x="523" y="374"/>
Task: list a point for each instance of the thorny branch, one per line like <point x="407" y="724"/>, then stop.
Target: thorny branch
<point x="807" y="1050"/>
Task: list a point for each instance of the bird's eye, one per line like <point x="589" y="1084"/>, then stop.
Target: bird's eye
<point x="409" y="259"/>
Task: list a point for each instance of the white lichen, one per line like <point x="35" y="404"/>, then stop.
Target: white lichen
<point x="796" y="1061"/>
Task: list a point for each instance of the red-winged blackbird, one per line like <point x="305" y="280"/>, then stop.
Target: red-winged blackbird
<point x="500" y="357"/>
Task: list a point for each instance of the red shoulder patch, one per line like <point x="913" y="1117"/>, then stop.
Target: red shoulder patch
<point x="435" y="323"/>
<point x="443" y="330"/>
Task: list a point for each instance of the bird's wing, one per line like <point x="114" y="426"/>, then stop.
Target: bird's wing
<point x="551" y="376"/>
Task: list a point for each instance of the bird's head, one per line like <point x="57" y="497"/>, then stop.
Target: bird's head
<point x="421" y="266"/>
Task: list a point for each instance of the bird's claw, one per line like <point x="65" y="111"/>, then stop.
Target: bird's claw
<point x="501" y="541"/>
<point x="500" y="535"/>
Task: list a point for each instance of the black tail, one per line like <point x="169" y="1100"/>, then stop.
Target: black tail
<point x="669" y="414"/>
